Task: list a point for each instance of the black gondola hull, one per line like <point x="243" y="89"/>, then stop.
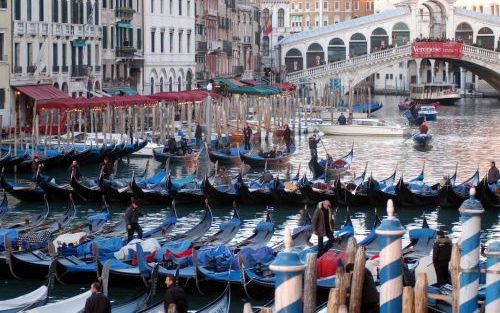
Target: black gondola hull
<point x="407" y="198"/>
<point x="312" y="196"/>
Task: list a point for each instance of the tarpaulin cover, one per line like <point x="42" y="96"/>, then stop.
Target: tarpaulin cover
<point x="98" y="217"/>
<point x="264" y="226"/>
<point x="173" y="249"/>
<point x="91" y="267"/>
<point x="252" y="257"/>
<point x="107" y="246"/>
<point x="218" y="259"/>
<point x="12" y="234"/>
<point x="422" y="233"/>
<point x="328" y="262"/>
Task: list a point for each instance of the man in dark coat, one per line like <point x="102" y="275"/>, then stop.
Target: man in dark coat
<point x="174" y="295"/>
<point x="107" y="168"/>
<point x="342" y="120"/>
<point x="97" y="302"/>
<point x="171" y="145"/>
<point x="313" y="146"/>
<point x="441" y="256"/>
<point x="493" y="174"/>
<point x="132" y="215"/>
<point x="287" y="137"/>
<point x="74" y="170"/>
<point x="247" y="134"/>
<point x="198" y="134"/>
<point x="322" y="225"/>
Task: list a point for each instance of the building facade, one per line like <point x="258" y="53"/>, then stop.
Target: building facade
<point x="246" y="39"/>
<point x="5" y="60"/>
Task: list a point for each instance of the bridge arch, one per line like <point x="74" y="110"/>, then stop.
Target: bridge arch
<point x="336" y="50"/>
<point x="485" y="38"/>
<point x="357" y="45"/>
<point x="315" y="55"/>
<point x="379" y="39"/>
<point x="400" y="34"/>
<point x="464" y="33"/>
<point x="294" y="61"/>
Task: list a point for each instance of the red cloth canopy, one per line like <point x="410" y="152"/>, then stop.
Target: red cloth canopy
<point x="42" y="93"/>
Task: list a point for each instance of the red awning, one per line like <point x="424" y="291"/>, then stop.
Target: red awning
<point x="42" y="93"/>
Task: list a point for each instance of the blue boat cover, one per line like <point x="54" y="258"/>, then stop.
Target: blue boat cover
<point x="252" y="257"/>
<point x="368" y="239"/>
<point x="175" y="248"/>
<point x="91" y="267"/>
<point x="107" y="246"/>
<point x="264" y="226"/>
<point x="422" y="233"/>
<point x="104" y="216"/>
<point x="12" y="234"/>
<point x="218" y="259"/>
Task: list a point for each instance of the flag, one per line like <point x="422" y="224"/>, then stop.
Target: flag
<point x="268" y="27"/>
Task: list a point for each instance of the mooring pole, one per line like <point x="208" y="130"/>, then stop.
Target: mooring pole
<point x="492" y="302"/>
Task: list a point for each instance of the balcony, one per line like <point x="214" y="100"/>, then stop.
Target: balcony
<point x="19" y="28"/>
<point x="32" y="28"/>
<point x="66" y="30"/>
<point x="55" y="68"/>
<point x="125" y="13"/>
<point x="31" y="69"/>
<point x="227" y="47"/>
<point x="64" y="68"/>
<point x="97" y="68"/>
<point x="77" y="30"/>
<point x="79" y="70"/>
<point x="238" y="69"/>
<point x="57" y="30"/>
<point x="4" y="58"/>
<point x="201" y="46"/>
<point x="125" y="51"/>
<point x="44" y="29"/>
<point x="211" y="12"/>
<point x="90" y="31"/>
<point x="18" y="69"/>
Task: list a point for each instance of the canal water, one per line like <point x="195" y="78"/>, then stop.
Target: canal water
<point x="465" y="135"/>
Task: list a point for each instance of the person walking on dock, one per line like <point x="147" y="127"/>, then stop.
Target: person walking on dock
<point x="322" y="225"/>
<point x="287" y="137"/>
<point x="174" y="295"/>
<point x="97" y="302"/>
<point x="313" y="146"/>
<point x="197" y="135"/>
<point x="441" y="256"/>
<point x="493" y="174"/>
<point x="74" y="170"/>
<point x="132" y="215"/>
<point x="247" y="134"/>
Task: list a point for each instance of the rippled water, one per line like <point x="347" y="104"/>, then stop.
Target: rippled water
<point x="465" y="134"/>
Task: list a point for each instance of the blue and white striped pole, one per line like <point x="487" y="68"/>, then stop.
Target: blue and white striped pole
<point x="471" y="210"/>
<point x="391" y="280"/>
<point x="492" y="302"/>
<point x="288" y="271"/>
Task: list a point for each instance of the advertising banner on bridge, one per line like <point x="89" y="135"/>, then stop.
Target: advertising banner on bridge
<point x="449" y="50"/>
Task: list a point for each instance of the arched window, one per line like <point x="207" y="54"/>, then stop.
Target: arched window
<point x="179" y="84"/>
<point x="170" y="84"/>
<point x="400" y="34"/>
<point x="265" y="45"/>
<point x="293" y="60"/>
<point x="464" y="33"/>
<point x="336" y="50"/>
<point x="315" y="55"/>
<point x="357" y="45"/>
<point x="281" y="18"/>
<point x="189" y="80"/>
<point x="379" y="39"/>
<point x="152" y="86"/>
<point x="485" y="38"/>
<point x="161" y="84"/>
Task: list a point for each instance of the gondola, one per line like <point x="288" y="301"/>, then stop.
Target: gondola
<point x="158" y="193"/>
<point x="229" y="156"/>
<point x="4" y="159"/>
<point x="51" y="159"/>
<point x="370" y="242"/>
<point x="337" y="168"/>
<point x="23" y="192"/>
<point x="221" y="194"/>
<point x="54" y="190"/>
<point x="381" y="191"/>
<point x="116" y="152"/>
<point x="81" y="155"/>
<point x="422" y="140"/>
<point x="33" y="299"/>
<point x="352" y="193"/>
<point x="416" y="194"/>
<point x="4" y="207"/>
<point x="189" y="193"/>
<point x="162" y="156"/>
<point x="15" y="160"/>
<point x="287" y="192"/>
<point x="255" y="160"/>
<point x="198" y="230"/>
<point x="451" y="195"/>
<point x="34" y="220"/>
<point x="116" y="190"/>
<point x="262" y="234"/>
<point x="227" y="231"/>
<point x="488" y="198"/>
<point x="88" y="189"/>
<point x="316" y="191"/>
<point x="421" y="241"/>
<point x="258" y="191"/>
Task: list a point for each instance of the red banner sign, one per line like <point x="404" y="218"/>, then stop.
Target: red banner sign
<point x="451" y="50"/>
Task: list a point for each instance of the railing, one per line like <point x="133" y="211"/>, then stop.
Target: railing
<point x="124" y="13"/>
<point x="57" y="29"/>
<point x="55" y="68"/>
<point x="18" y="69"/>
<point x="79" y="70"/>
<point x="64" y="69"/>
<point x="77" y="30"/>
<point x="31" y="69"/>
<point x="125" y="51"/>
<point x="4" y="58"/>
<point x="97" y="68"/>
<point x="90" y="30"/>
<point x="44" y="28"/>
<point x="476" y="51"/>
<point x="19" y="27"/>
<point x="201" y="46"/>
<point x="32" y="28"/>
<point x="66" y="30"/>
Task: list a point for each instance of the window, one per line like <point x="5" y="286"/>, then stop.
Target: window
<point x="131" y="37"/>
<point x="40" y="10"/>
<point x="153" y="41"/>
<point x="188" y="42"/>
<point x="171" y="7"/>
<point x="29" y="54"/>
<point x="89" y="55"/>
<point x="368" y="5"/>
<point x="317" y="5"/>
<point x="347" y="6"/>
<point x="161" y="6"/>
<point x="188" y="9"/>
<point x="16" y="55"/>
<point x="64" y="54"/>
<point x="152" y="87"/>
<point x="300" y="6"/>
<point x="112" y="35"/>
<point x="97" y="58"/>
<point x="64" y="11"/>
<point x="377" y="75"/>
<point x="55" y="11"/>
<point x="96" y="12"/>
<point x="17" y="9"/>
<point x="139" y="39"/>
<point x="171" y="42"/>
<point x="54" y="54"/>
<point x="325" y="5"/>
<point x="2" y="99"/>
<point x="2" y="37"/>
<point x="105" y="37"/>
<point x="336" y="5"/>
<point x="111" y="4"/>
<point x="265" y="44"/>
<point x="152" y="6"/>
<point x="162" y="41"/>
<point x="180" y="42"/>
<point x="3" y="4"/>
<point x="104" y="3"/>
<point x="28" y="7"/>
<point x="180" y="7"/>
<point x="356" y="5"/>
<point x="281" y="18"/>
<point x="307" y="6"/>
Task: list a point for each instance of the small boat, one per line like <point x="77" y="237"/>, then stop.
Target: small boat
<point x="156" y="193"/>
<point x="117" y="190"/>
<point x="352" y="193"/>
<point x="451" y="195"/>
<point x="316" y="191"/>
<point x="162" y="156"/>
<point x="488" y="197"/>
<point x="33" y="221"/>
<point x="227" y="230"/>
<point x="364" y="107"/>
<point x="88" y="189"/>
<point x="364" y="127"/>
<point x="200" y="229"/>
<point x="229" y="156"/>
<point x="422" y="140"/>
<point x="427" y="112"/>
<point x="222" y="194"/>
<point x="334" y="168"/>
<point x="55" y="190"/>
<point x="33" y="299"/>
<point x="258" y="191"/>
<point x="381" y="191"/>
<point x="445" y="94"/>
<point x="416" y="194"/>
<point x="421" y="241"/>
<point x="262" y="234"/>
<point x="258" y="160"/>
<point x="370" y="242"/>
<point x="287" y="191"/>
<point x="24" y="192"/>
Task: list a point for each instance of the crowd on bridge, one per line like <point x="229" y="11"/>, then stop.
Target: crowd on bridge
<point x="436" y="39"/>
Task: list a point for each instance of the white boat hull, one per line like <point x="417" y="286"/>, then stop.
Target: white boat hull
<point x="362" y="130"/>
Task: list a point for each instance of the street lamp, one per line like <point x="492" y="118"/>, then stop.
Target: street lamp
<point x="208" y="122"/>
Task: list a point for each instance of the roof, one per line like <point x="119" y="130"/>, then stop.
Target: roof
<point x="478" y="15"/>
<point x="364" y="20"/>
<point x="42" y="93"/>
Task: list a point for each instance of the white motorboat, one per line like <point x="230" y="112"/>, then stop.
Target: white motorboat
<point x="364" y="127"/>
